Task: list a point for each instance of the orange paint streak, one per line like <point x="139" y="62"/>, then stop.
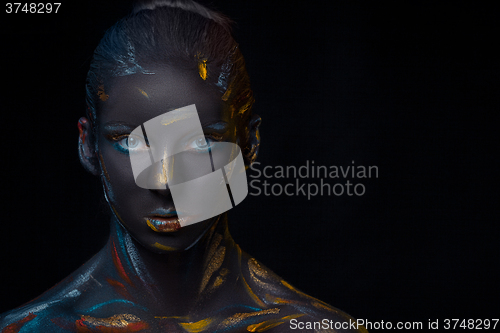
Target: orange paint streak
<point x="119" y="288"/>
<point x="81" y="122"/>
<point x="16" y="327"/>
<point x="119" y="266"/>
<point x="279" y="300"/>
<point x="102" y="95"/>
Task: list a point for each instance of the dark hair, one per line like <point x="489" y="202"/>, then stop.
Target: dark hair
<point x="171" y="32"/>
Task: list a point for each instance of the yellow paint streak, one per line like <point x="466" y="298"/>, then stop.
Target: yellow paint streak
<point x="264" y="326"/>
<point x="279" y="300"/>
<point x="238" y="317"/>
<point x="251" y="293"/>
<point x="227" y="94"/>
<point x="286" y="284"/>
<point x="257" y="273"/>
<point x="163" y="247"/>
<point x="268" y="324"/>
<point x="174" y="116"/>
<point x="202" y="68"/>
<point x="151" y="225"/>
<point x="323" y="306"/>
<point x="102" y="95"/>
<point x="197" y="326"/>
<point x="120" y="320"/>
<point x="143" y="92"/>
<point x="245" y="107"/>
<point x="213" y="265"/>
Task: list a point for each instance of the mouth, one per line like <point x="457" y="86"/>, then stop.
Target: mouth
<point x="167" y="221"/>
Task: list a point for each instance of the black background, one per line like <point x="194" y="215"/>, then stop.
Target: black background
<point x="412" y="88"/>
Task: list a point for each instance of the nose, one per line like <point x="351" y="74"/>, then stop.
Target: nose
<point x="158" y="176"/>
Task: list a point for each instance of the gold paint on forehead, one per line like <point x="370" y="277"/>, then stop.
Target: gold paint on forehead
<point x="163" y="247"/>
<point x="102" y="95"/>
<point x="197" y="326"/>
<point x="143" y="92"/>
<point x="120" y="320"/>
<point x="238" y="317"/>
<point x="202" y="68"/>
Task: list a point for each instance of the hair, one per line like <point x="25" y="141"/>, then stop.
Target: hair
<point x="179" y="33"/>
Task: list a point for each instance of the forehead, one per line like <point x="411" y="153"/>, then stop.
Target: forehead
<point x="139" y="97"/>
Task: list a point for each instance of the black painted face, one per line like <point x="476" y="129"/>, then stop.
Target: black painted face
<point x="126" y="104"/>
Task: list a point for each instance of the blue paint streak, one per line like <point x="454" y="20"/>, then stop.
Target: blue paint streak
<point x="95" y="307"/>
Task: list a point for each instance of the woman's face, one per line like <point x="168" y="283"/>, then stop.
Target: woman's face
<point x="127" y="103"/>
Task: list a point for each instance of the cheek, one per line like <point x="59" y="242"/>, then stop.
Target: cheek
<point x="116" y="175"/>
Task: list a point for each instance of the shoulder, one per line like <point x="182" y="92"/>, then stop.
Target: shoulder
<point x="38" y="316"/>
<point x="297" y="311"/>
<point x="54" y="310"/>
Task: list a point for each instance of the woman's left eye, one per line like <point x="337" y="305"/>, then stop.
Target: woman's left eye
<point x="201" y="143"/>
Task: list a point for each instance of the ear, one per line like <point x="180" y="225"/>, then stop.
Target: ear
<point x="86" y="150"/>
<point x="251" y="148"/>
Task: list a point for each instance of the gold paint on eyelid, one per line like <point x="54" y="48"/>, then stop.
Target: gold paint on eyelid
<point x="143" y="92"/>
<point x="238" y="317"/>
<point x="197" y="326"/>
<point x="163" y="247"/>
<point x="120" y="320"/>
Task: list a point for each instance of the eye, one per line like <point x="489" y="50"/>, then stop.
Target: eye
<point x="131" y="143"/>
<point x="201" y="143"/>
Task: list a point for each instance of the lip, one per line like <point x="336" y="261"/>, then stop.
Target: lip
<point x="163" y="220"/>
<point x="163" y="224"/>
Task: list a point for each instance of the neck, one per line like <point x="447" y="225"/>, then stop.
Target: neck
<point x="174" y="281"/>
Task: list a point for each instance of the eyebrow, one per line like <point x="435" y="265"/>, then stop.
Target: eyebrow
<point x="118" y="126"/>
<point x="221" y="126"/>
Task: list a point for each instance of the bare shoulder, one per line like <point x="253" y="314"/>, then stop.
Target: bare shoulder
<point x="297" y="311"/>
<point x="38" y="316"/>
<point x="54" y="310"/>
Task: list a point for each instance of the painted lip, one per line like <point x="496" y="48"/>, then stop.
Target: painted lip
<point x="163" y="220"/>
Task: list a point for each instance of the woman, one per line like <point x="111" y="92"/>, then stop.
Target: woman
<point x="165" y="270"/>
